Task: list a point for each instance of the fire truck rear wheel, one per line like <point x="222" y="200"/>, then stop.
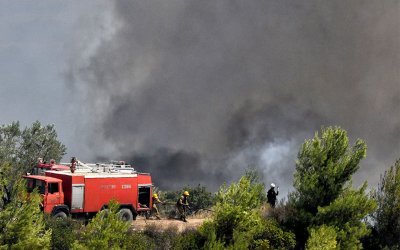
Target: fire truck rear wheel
<point x="126" y="214"/>
<point x="60" y="215"/>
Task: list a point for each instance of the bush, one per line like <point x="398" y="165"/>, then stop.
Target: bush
<point x="387" y="216"/>
<point x="138" y="241"/>
<point x="237" y="222"/>
<point x="189" y="240"/>
<point x="199" y="197"/>
<point x="64" y="231"/>
<point x="105" y="231"/>
<point x="162" y="239"/>
<point x="322" y="238"/>
<point x="275" y="236"/>
<point x="22" y="223"/>
<point x="323" y="194"/>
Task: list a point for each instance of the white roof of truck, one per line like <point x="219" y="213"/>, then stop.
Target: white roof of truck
<point x="95" y="174"/>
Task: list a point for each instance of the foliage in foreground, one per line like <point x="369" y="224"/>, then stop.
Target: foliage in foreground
<point x="325" y="211"/>
<point x="20" y="149"/>
<point x="63" y="231"/>
<point x="22" y="223"/>
<point x="322" y="238"/>
<point x="105" y="231"/>
<point x="237" y="222"/>
<point x="324" y="195"/>
<point x="386" y="218"/>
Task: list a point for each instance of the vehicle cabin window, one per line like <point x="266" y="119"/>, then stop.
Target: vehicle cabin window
<point x="41" y="186"/>
<point x="53" y="188"/>
<point x="30" y="185"/>
<point x="38" y="184"/>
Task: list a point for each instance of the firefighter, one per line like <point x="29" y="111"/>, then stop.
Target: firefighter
<point x="271" y="195"/>
<point x="182" y="205"/>
<point x="154" y="208"/>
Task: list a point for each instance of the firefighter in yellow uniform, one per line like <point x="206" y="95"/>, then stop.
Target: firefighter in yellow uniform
<point x="182" y="205"/>
<point x="154" y="208"/>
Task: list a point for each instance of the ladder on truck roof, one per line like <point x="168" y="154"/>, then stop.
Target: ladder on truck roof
<point x="112" y="167"/>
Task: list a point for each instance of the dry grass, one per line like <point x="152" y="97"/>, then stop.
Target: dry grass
<point x="141" y="224"/>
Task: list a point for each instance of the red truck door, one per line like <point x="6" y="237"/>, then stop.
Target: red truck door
<point x="53" y="196"/>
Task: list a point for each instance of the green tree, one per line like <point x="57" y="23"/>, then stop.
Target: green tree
<point x="9" y="142"/>
<point x="199" y="197"/>
<point x="345" y="214"/>
<point x="322" y="238"/>
<point x="387" y="216"/>
<point x="21" y="222"/>
<point x="5" y="189"/>
<point x="323" y="192"/>
<point x="105" y="231"/>
<point x="63" y="231"/>
<point x="39" y="141"/>
<point x="254" y="175"/>
<point x="237" y="222"/>
<point x="19" y="151"/>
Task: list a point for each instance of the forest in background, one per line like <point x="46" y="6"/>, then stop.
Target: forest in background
<point x="324" y="211"/>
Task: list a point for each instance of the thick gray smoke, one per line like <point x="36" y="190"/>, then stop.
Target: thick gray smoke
<point x="196" y="91"/>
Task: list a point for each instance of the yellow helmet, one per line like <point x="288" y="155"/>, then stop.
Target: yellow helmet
<point x="155" y="196"/>
<point x="186" y="193"/>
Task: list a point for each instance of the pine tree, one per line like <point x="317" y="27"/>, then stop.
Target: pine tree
<point x="39" y="141"/>
<point x="105" y="231"/>
<point x="387" y="216"/>
<point x="21" y="222"/>
<point x="324" y="195"/>
<point x="20" y="149"/>
<point x="237" y="222"/>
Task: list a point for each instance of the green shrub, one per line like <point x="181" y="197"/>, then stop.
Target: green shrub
<point x="199" y="197"/>
<point x="322" y="238"/>
<point x="323" y="194"/>
<point x="64" y="231"/>
<point x="276" y="237"/>
<point x="22" y="223"/>
<point x="386" y="219"/>
<point x="189" y="240"/>
<point x="105" y="231"/>
<point x="139" y="241"/>
<point x="237" y="222"/>
<point x="162" y="239"/>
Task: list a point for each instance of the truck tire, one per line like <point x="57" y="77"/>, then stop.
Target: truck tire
<point x="60" y="215"/>
<point x="104" y="213"/>
<point x="126" y="214"/>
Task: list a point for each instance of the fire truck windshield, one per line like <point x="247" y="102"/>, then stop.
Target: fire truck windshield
<point x="32" y="184"/>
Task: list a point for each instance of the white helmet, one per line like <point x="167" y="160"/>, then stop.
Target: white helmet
<point x="273" y="185"/>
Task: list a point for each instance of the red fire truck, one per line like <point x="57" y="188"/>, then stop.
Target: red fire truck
<point x="86" y="193"/>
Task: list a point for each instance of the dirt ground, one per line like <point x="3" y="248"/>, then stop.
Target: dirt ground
<point x="141" y="223"/>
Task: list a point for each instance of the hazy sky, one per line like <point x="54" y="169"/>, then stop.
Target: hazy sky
<point x="195" y="91"/>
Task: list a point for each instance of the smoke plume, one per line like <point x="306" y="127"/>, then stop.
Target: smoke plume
<point x="196" y="91"/>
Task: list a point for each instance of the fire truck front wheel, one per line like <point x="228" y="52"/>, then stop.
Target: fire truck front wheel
<point x="126" y="214"/>
<point x="60" y="215"/>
